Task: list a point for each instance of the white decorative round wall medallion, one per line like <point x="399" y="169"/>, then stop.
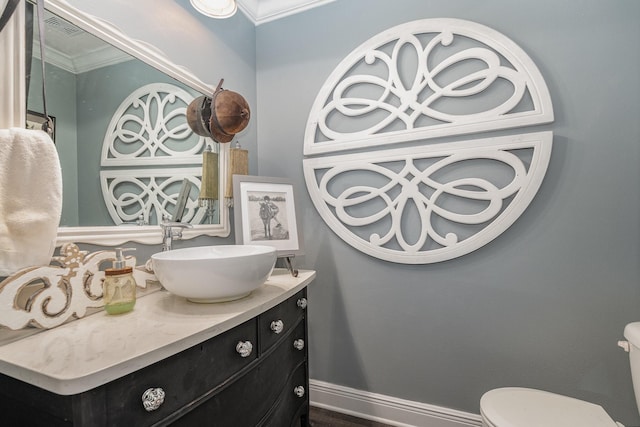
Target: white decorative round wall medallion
<point x="430" y="85"/>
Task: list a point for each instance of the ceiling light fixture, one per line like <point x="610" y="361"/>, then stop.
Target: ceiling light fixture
<point x="219" y="9"/>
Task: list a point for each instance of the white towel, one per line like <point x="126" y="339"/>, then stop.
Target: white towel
<point x="30" y="199"/>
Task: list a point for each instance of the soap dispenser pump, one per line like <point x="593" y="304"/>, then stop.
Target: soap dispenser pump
<point x="119" y="288"/>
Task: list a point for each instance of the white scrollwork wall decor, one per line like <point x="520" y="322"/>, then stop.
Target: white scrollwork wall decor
<point x="150" y="128"/>
<point x="424" y="84"/>
<point x="132" y="194"/>
<point x="48" y="296"/>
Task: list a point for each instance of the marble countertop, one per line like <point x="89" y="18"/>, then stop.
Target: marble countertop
<point x="97" y="349"/>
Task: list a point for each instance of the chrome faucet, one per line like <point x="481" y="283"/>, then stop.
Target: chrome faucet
<point x="170" y="231"/>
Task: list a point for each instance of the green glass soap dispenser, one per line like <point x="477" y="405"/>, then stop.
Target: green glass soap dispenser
<point x="119" y="288"/>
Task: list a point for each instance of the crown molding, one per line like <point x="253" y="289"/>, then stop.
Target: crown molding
<point x="82" y="62"/>
<point x="262" y="11"/>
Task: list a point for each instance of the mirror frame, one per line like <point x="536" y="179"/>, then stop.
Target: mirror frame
<point x="151" y="234"/>
<point x="12" y="38"/>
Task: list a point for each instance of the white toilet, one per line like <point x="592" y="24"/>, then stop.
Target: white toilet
<point x="525" y="407"/>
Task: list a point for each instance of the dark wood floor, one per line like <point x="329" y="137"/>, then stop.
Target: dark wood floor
<point x="324" y="418"/>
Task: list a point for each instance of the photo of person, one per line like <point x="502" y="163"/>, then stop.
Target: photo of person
<point x="267" y="216"/>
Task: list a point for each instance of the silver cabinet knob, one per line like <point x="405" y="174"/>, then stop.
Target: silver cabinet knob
<point x="245" y="348"/>
<point x="299" y="391"/>
<point x="302" y="303"/>
<point x="298" y="344"/>
<point x="277" y="326"/>
<point x="152" y="398"/>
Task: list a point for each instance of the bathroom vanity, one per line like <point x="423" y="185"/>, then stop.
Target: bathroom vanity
<point x="168" y="362"/>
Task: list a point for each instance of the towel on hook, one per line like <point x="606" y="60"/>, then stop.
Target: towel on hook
<point x="30" y="199"/>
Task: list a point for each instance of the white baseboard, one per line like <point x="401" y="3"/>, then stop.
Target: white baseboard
<point x="386" y="409"/>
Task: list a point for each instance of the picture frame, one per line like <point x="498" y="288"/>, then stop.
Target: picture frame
<point x="265" y="214"/>
<point x="35" y="121"/>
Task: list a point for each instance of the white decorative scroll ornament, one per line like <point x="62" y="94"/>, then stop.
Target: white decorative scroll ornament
<point x="135" y="194"/>
<point x="49" y="296"/>
<point x="435" y="198"/>
<point x="150" y="128"/>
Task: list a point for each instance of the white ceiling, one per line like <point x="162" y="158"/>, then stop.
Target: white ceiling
<point x="261" y="11"/>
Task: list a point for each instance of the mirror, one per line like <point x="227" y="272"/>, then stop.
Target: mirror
<point x="120" y="129"/>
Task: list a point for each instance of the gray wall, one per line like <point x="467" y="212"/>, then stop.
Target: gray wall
<point x="541" y="306"/>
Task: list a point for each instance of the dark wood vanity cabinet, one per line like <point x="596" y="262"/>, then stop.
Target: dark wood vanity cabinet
<point x="210" y="384"/>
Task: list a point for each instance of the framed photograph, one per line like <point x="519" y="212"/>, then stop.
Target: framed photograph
<point x="265" y="214"/>
<point x="35" y="121"/>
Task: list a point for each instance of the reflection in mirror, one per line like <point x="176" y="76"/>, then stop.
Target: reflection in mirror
<point x="121" y="132"/>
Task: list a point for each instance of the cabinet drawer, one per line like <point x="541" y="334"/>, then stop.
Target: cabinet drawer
<point x="292" y="406"/>
<point x="183" y="377"/>
<point x="256" y="396"/>
<point x="279" y="320"/>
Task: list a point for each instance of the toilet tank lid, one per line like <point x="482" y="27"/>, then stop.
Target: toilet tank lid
<point x="632" y="333"/>
<point x="526" y="407"/>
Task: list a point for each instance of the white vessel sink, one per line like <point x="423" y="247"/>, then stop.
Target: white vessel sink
<point x="214" y="273"/>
